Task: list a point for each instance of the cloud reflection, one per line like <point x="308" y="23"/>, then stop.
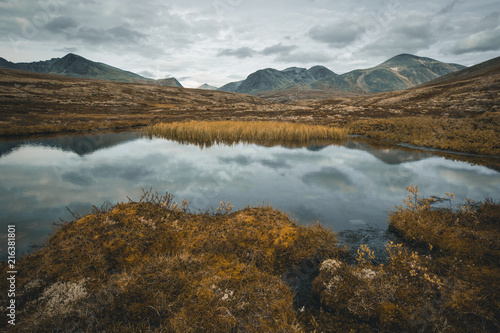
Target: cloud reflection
<point x="339" y="186"/>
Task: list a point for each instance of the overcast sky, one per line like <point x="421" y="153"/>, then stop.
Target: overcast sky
<point x="219" y="41"/>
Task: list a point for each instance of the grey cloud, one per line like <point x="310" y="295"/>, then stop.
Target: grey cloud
<point x="96" y="36"/>
<point x="408" y="34"/>
<point x="480" y="42"/>
<point x="449" y="7"/>
<point x="303" y="57"/>
<point x="419" y="30"/>
<point x="337" y="34"/>
<point x="92" y="35"/>
<point x="147" y="73"/>
<point x="490" y="22"/>
<point x="279" y="49"/>
<point x="124" y="33"/>
<point x="60" y="24"/>
<point x="67" y="49"/>
<point x="242" y="52"/>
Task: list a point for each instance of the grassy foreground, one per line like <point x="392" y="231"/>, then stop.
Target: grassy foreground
<point x="207" y="133"/>
<point x="153" y="266"/>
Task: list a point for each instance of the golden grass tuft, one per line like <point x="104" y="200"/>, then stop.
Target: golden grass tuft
<point x="451" y="285"/>
<point x="269" y="133"/>
<point x="154" y="266"/>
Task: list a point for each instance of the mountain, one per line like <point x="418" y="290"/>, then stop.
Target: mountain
<point x="38" y="66"/>
<point x="231" y="86"/>
<point x="398" y="73"/>
<point x="80" y="67"/>
<point x="271" y="79"/>
<point x="471" y="90"/>
<point x="206" y="86"/>
<point x="169" y="82"/>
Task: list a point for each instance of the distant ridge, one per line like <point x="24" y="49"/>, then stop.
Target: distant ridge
<point x="397" y="73"/>
<point x="77" y="66"/>
<point x="472" y="90"/>
<point x="400" y="72"/>
<point x="206" y="86"/>
<point x="481" y="70"/>
<point x="271" y="79"/>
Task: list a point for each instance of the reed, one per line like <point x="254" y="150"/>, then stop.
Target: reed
<point x="206" y="133"/>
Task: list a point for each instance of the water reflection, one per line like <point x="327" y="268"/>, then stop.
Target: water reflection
<point x="346" y="187"/>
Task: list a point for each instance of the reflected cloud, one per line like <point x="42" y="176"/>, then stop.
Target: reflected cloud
<point x="77" y="178"/>
<point x="241" y="160"/>
<point x="342" y="187"/>
<point x="275" y="164"/>
<point x="135" y="173"/>
<point x="475" y="179"/>
<point x="329" y="178"/>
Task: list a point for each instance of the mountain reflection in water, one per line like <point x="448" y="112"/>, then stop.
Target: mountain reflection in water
<point x="344" y="187"/>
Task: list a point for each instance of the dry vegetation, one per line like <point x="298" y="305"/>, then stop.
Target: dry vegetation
<point x="478" y="135"/>
<point x="154" y="266"/>
<point x="228" y="132"/>
<point x="445" y="279"/>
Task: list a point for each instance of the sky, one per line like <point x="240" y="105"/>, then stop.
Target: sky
<point x="220" y="41"/>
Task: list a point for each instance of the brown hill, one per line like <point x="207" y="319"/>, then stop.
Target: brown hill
<point x="474" y="89"/>
<point x="45" y="103"/>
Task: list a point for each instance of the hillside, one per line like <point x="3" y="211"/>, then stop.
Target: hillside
<point x="398" y="73"/>
<point x="45" y="103"/>
<point x="473" y="89"/>
<point x="77" y="66"/>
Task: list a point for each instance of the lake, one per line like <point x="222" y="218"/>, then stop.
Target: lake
<point x="346" y="187"/>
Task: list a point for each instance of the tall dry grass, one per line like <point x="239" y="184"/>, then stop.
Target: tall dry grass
<point x="207" y="133"/>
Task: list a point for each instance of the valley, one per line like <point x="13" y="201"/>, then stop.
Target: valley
<point x="465" y="101"/>
<point x="338" y="156"/>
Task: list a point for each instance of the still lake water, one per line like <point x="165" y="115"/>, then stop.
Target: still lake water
<point x="345" y="187"/>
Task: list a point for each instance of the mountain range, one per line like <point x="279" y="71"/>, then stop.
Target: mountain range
<point x="80" y="67"/>
<point x="398" y="73"/>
